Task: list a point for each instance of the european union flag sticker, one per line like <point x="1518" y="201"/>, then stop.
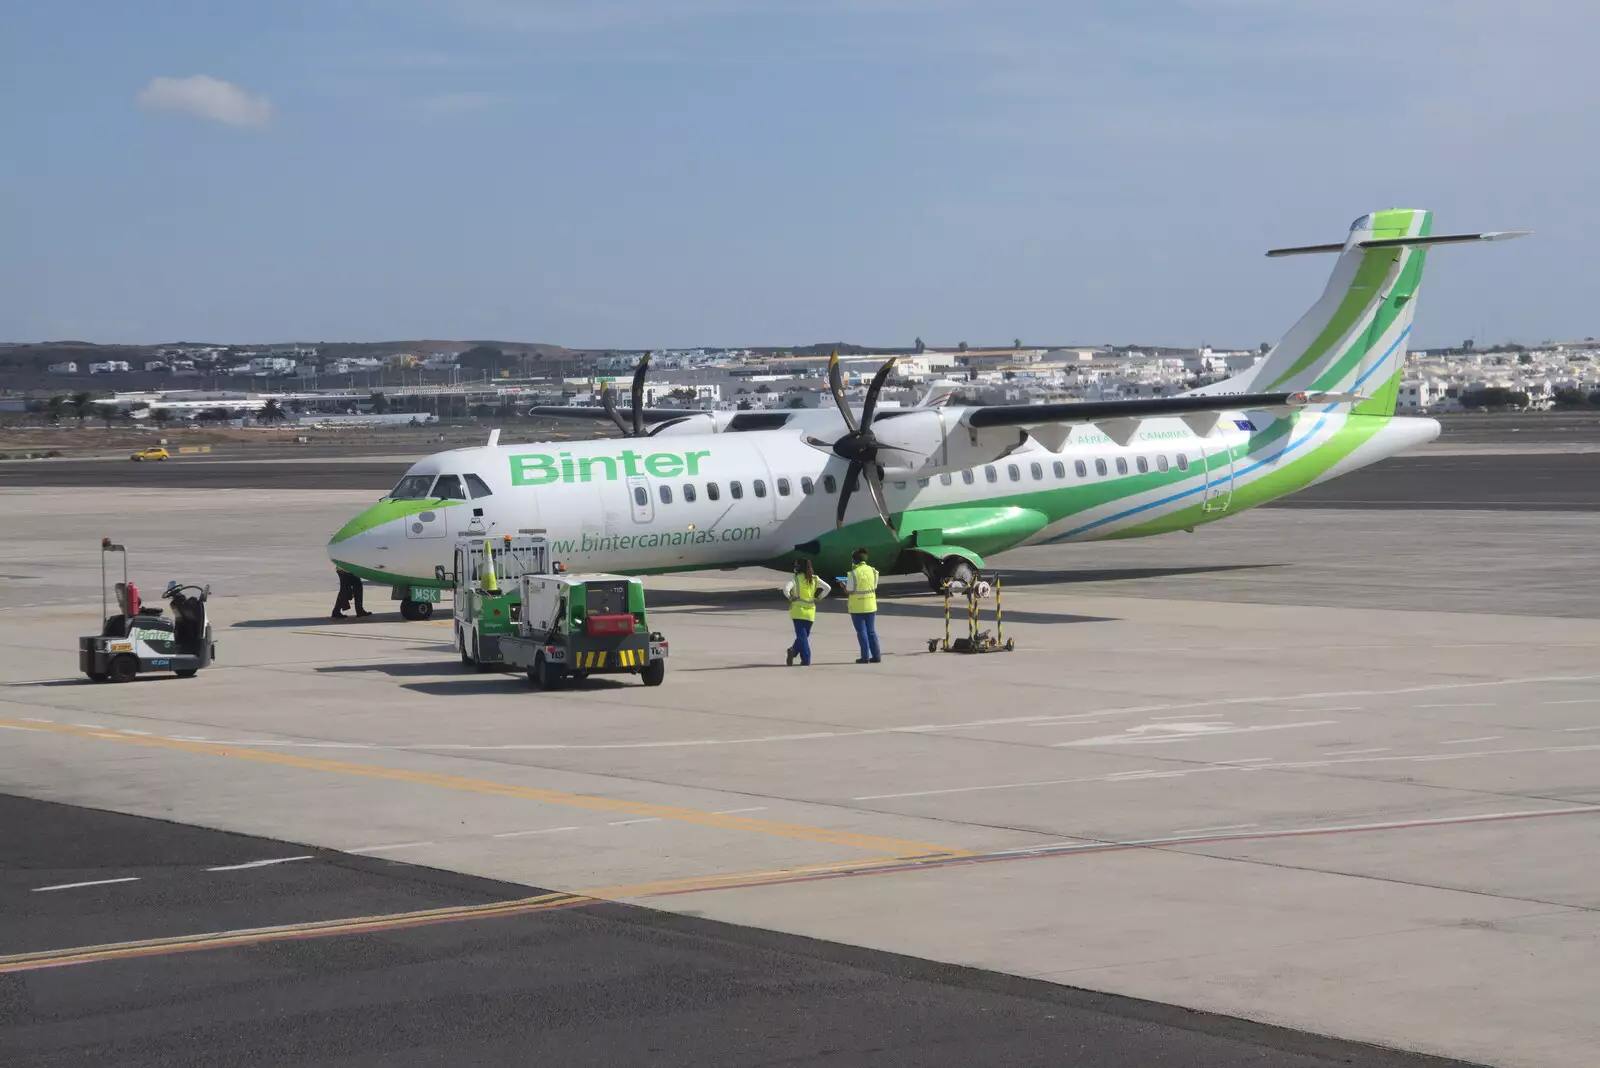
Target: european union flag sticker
<point x="1244" y="424"/>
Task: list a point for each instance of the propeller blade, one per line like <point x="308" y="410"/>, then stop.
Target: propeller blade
<point x="836" y="385"/>
<point x="638" y="395"/>
<point x="873" y="390"/>
<point x="610" y="404"/>
<point x="849" y="486"/>
<point x="875" y="487"/>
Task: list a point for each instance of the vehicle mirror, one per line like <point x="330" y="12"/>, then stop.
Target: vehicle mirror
<point x="438" y="571"/>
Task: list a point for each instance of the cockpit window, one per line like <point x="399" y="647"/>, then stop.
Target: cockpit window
<point x="411" y="488"/>
<point x="448" y="488"/>
<point x="477" y="486"/>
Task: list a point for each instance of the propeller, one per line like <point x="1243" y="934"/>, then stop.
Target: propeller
<point x="859" y="445"/>
<point x="636" y="430"/>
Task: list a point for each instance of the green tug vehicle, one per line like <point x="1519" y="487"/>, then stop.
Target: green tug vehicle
<point x="553" y="625"/>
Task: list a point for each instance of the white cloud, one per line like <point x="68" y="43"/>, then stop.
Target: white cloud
<point x="206" y="97"/>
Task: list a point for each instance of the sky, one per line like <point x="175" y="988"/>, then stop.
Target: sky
<point x="663" y="173"/>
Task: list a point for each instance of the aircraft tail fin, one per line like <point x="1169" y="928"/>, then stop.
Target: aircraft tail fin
<point x="1353" y="340"/>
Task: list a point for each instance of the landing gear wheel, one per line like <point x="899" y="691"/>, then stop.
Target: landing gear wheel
<point x="653" y="673"/>
<point x="124" y="668"/>
<point x="186" y="673"/>
<point x="415" y="611"/>
<point x="951" y="571"/>
<point x="549" y="676"/>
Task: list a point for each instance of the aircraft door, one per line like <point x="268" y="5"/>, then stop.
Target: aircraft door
<point x="1219" y="478"/>
<point x="643" y="505"/>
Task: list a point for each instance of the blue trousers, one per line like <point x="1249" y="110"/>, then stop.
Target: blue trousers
<point x="866" y="624"/>
<point x="802" y="639"/>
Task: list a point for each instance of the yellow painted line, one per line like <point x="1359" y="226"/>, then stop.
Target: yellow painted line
<point x="875" y="843"/>
<point x="150" y="947"/>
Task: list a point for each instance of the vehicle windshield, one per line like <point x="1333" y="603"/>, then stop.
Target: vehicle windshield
<point x="411" y="488"/>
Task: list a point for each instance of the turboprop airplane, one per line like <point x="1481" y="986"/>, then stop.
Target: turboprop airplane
<point x="946" y="487"/>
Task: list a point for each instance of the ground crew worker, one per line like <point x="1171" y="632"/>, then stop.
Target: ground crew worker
<point x="862" y="586"/>
<point x="350" y="589"/>
<point x="803" y="592"/>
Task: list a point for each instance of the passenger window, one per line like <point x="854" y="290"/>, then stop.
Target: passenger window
<point x="759" y="486"/>
<point x="1080" y="468"/>
<point x="1122" y="465"/>
<point x="641" y="496"/>
<point x="1015" y="472"/>
<point x="968" y="477"/>
<point x="1059" y="469"/>
<point x="1161" y="462"/>
<point x="476" y="486"/>
<point x="991" y="474"/>
<point x="736" y="489"/>
<point x="830" y="484"/>
<point x="807" y="486"/>
<point x="1143" y="465"/>
<point x="448" y="488"/>
<point x="783" y="488"/>
<point x="666" y="494"/>
<point x="1036" y="470"/>
<point x="1183" y="461"/>
<point x="1100" y="467"/>
<point x="688" y="492"/>
<point x="946" y="479"/>
<point x="712" y="493"/>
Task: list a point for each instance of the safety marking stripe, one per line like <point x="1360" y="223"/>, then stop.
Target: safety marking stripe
<point x="481" y="786"/>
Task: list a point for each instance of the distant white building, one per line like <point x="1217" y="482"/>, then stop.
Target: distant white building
<point x="270" y="365"/>
<point x="70" y="367"/>
<point x="1420" y="395"/>
<point x="109" y="367"/>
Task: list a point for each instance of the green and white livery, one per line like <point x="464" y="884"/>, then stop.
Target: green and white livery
<point x="942" y="489"/>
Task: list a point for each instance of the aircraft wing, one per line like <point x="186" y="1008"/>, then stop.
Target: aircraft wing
<point x="597" y="414"/>
<point x="1120" y="418"/>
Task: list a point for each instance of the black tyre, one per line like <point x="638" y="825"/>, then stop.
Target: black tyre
<point x="549" y="675"/>
<point x="186" y="673"/>
<point x="97" y="676"/>
<point x="654" y="672"/>
<point x="477" y="656"/>
<point x="124" y="668"/>
<point x="461" y="647"/>
<point x="954" y="571"/>
<point x="415" y="611"/>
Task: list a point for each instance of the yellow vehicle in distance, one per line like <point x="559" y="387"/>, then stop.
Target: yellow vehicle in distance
<point x="154" y="452"/>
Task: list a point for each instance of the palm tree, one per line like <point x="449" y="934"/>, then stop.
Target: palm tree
<point x="108" y="412"/>
<point x="1016" y="343"/>
<point x="271" y="412"/>
<point x="380" y="403"/>
<point x="162" y="416"/>
<point x="82" y="405"/>
<point x="56" y="407"/>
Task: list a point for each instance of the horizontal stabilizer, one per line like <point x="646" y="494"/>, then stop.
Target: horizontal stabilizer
<point x="1403" y="242"/>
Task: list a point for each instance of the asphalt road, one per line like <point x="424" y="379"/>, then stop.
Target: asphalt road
<point x="1543" y="482"/>
<point x="590" y="985"/>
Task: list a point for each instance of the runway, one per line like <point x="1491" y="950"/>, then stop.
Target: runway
<point x="1514" y="482"/>
<point x="415" y="966"/>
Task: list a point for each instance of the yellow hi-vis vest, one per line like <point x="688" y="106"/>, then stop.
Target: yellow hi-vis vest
<point x="865" y="596"/>
<point x="804" y="605"/>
